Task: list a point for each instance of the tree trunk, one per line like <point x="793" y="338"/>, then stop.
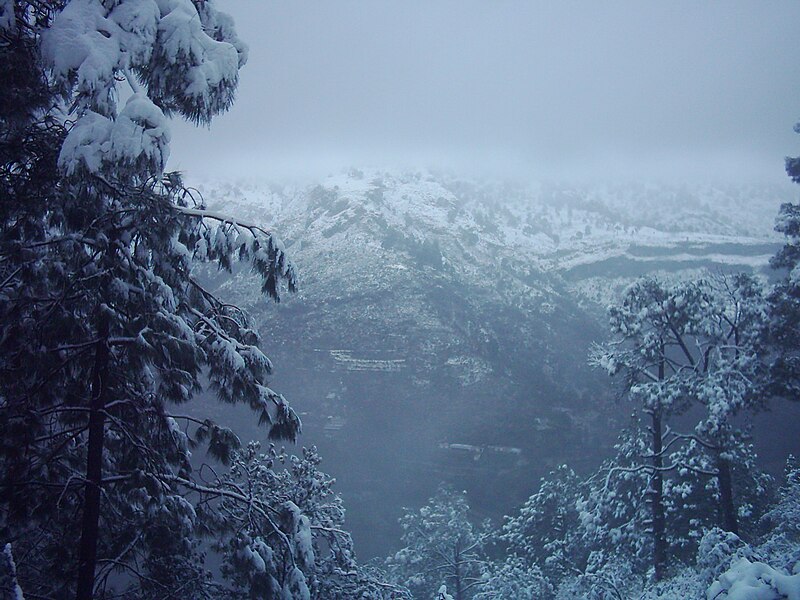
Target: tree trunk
<point x="657" y="500"/>
<point x="728" y="508"/>
<point x="87" y="557"/>
<point x="459" y="583"/>
<point x="657" y="484"/>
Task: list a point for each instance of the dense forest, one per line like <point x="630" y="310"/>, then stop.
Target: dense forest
<point x="116" y="483"/>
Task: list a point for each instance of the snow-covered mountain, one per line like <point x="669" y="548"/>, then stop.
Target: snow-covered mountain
<point x="396" y="221"/>
<point x="441" y="326"/>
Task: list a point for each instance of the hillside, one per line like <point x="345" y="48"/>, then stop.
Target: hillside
<point x="441" y="326"/>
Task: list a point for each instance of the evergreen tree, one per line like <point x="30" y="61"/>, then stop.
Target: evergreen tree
<point x="513" y="578"/>
<point x="613" y="512"/>
<point x="700" y="344"/>
<point x="782" y="542"/>
<point x="293" y="544"/>
<point x="441" y="546"/>
<point x="544" y="534"/>
<point x="649" y="322"/>
<point x="785" y="297"/>
<point x="104" y="329"/>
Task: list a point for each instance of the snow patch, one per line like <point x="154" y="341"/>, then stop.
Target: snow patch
<point x="746" y="580"/>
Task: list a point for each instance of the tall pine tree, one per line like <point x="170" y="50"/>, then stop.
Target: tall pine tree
<point x="696" y="344"/>
<point x="104" y="328"/>
<point x="785" y="297"/>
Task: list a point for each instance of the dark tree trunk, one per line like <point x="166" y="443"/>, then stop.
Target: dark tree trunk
<point x="727" y="505"/>
<point x="87" y="556"/>
<point x="657" y="492"/>
<point x="459" y="583"/>
<point x="657" y="500"/>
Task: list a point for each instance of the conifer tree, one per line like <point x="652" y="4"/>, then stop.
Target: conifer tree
<point x="785" y="297"/>
<point x="649" y="322"/>
<point x="544" y="534"/>
<point x="695" y="344"/>
<point x="104" y="328"/>
<point x="441" y="547"/>
<point x="293" y="543"/>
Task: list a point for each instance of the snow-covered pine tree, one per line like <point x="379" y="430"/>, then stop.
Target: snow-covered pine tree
<point x="104" y="330"/>
<point x="785" y="297"/>
<point x="649" y="323"/>
<point x="293" y="543"/>
<point x="782" y="543"/>
<point x="441" y="546"/>
<point x="730" y="379"/>
<point x="513" y="578"/>
<point x="579" y="532"/>
<point x="612" y="507"/>
<point x="545" y="532"/>
<point x="695" y="343"/>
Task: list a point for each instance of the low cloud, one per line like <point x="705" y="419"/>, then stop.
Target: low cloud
<point x="678" y="90"/>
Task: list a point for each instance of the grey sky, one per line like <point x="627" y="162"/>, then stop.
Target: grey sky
<point x="558" y="89"/>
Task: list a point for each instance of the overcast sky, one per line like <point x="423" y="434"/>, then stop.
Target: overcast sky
<point x="677" y="90"/>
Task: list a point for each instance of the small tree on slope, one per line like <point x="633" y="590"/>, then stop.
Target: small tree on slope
<point x="441" y="546"/>
<point x="294" y="543"/>
<point x="545" y="532"/>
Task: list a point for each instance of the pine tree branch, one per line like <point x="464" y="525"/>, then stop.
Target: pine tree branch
<point x="222" y="218"/>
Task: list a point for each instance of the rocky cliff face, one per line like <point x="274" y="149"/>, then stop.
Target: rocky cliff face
<point x="442" y="326"/>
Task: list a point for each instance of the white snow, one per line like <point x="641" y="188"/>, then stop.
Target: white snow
<point x="300" y="534"/>
<point x="140" y="134"/>
<point x="746" y="580"/>
<point x="138" y="19"/>
<point x="138" y="139"/>
<point x="303" y="541"/>
<point x="81" y="40"/>
<point x="183" y="40"/>
<point x="86" y="144"/>
<point x="8" y="558"/>
<point x="295" y="587"/>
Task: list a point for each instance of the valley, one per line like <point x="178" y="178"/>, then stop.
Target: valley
<point x="441" y="327"/>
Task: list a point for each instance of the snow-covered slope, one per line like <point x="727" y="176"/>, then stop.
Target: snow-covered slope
<point x="373" y="229"/>
<point x="548" y="227"/>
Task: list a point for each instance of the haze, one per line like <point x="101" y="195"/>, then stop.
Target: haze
<point x="669" y="90"/>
